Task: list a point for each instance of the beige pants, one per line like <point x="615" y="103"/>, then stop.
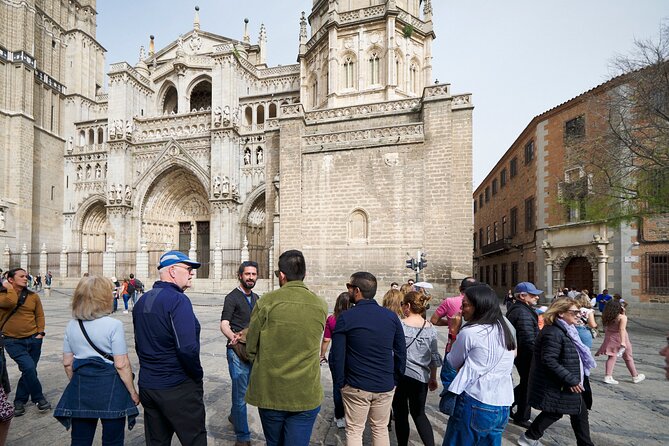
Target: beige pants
<point x="361" y="406"/>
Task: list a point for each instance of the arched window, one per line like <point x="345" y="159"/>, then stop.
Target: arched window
<point x="358" y="226"/>
<point x="260" y="114"/>
<point x="374" y="69"/>
<point x="414" y="84"/>
<point x="272" y="110"/>
<point x="349" y="72"/>
<point x="399" y="71"/>
<point x="171" y="101"/>
<point x="314" y="93"/>
<point x="101" y="136"/>
<point x="82" y="138"/>
<point x="248" y="115"/>
<point x="91" y="137"/>
<point x="200" y="97"/>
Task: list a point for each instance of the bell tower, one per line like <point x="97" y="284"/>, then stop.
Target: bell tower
<point x="365" y="51"/>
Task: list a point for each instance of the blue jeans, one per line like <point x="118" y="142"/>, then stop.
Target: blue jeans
<point x="239" y="374"/>
<point x="474" y="422"/>
<point x="126" y="298"/>
<point x="83" y="431"/>
<point x="26" y="352"/>
<point x="585" y="335"/>
<point x="288" y="428"/>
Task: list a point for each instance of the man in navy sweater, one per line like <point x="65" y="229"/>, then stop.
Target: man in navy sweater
<point x="167" y="341"/>
<point x="368" y="356"/>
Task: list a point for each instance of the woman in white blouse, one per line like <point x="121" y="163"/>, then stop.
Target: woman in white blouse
<point x="483" y="354"/>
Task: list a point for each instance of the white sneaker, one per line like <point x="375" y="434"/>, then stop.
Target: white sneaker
<point x="125" y="311"/>
<point x="637" y="379"/>
<point x="609" y="380"/>
<point x="341" y="423"/>
<point x="524" y="441"/>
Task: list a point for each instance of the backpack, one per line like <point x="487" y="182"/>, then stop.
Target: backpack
<point x="131" y="287"/>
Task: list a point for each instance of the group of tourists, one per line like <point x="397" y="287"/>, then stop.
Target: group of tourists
<point x="383" y="359"/>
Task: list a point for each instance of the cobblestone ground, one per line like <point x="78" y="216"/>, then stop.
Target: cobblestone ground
<point x="626" y="414"/>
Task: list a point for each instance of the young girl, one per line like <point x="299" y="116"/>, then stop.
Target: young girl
<point x="616" y="342"/>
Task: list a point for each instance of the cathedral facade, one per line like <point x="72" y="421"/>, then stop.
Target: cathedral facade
<point x="353" y="155"/>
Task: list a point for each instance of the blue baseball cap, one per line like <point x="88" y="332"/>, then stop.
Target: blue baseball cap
<point x="172" y="257"/>
<point x="527" y="287"/>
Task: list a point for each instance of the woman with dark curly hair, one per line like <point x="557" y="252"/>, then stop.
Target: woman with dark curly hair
<point x="617" y="342"/>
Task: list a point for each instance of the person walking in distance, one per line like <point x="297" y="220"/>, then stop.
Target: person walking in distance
<point x="167" y="342"/>
<point x="283" y="343"/>
<point x="368" y="359"/>
<point x="235" y="319"/>
<point x="526" y="322"/>
<point x="23" y="325"/>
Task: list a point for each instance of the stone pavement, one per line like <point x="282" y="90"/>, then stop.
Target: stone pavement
<point x="626" y="414"/>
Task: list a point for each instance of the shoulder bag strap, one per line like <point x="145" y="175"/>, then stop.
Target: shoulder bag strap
<point x="22" y="299"/>
<point x="107" y="356"/>
<point x="417" y="334"/>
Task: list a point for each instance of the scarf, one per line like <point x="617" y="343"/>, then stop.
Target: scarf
<point x="587" y="361"/>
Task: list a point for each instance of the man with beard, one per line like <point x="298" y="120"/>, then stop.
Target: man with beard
<point x="235" y="317"/>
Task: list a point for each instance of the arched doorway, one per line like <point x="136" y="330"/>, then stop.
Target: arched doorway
<point x="578" y="274"/>
<point x="257" y="236"/>
<point x="175" y="213"/>
<point x="93" y="228"/>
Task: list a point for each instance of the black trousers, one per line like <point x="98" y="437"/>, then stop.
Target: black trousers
<point x="579" y="423"/>
<point x="409" y="398"/>
<point x="179" y="410"/>
<point x="520" y="395"/>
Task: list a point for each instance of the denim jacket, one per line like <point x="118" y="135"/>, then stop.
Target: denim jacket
<point x="95" y="391"/>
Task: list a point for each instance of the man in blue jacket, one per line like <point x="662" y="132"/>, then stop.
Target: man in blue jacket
<point x="368" y="356"/>
<point x="167" y="341"/>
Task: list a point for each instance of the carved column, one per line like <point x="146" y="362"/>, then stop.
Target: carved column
<point x="602" y="259"/>
<point x="84" y="259"/>
<point x="143" y="261"/>
<point x="192" y="252"/>
<point x="109" y="260"/>
<point x="546" y="246"/>
<point x="244" y="253"/>
<point x="6" y="258"/>
<point x="218" y="261"/>
<point x="63" y="263"/>
<point x="42" y="260"/>
<point x="24" y="257"/>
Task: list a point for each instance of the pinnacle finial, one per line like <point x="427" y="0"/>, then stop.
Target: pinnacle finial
<point x="246" y="38"/>
<point x="196" y="21"/>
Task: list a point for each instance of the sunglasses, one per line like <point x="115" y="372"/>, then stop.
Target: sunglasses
<point x="276" y="272"/>
<point x="350" y="286"/>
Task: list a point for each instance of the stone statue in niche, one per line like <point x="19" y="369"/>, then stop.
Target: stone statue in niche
<point x="235" y="117"/>
<point x="119" y="193"/>
<point x="225" y="186"/>
<point x="235" y="192"/>
<point x="259" y="156"/>
<point x="226" y="116"/>
<point x="70" y="144"/>
<point x="128" y="194"/>
<point x="88" y="171"/>
<point x="218" y="116"/>
<point x="79" y="174"/>
<point x="128" y="128"/>
<point x="112" y="193"/>
<point x="98" y="172"/>
<point x="247" y="157"/>
<point x="217" y="186"/>
<point x="118" y="124"/>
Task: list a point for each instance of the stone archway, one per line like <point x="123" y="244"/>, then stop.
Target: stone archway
<point x="256" y="235"/>
<point x="175" y="212"/>
<point x="94" y="228"/>
<point x="564" y="257"/>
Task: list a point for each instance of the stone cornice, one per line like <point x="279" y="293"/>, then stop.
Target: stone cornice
<point x="382" y="136"/>
<point x="363" y="111"/>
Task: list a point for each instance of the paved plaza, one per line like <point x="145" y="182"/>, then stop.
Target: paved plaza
<point x="626" y="414"/>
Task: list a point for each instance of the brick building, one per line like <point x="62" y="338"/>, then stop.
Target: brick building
<point x="350" y="155"/>
<point x="530" y="221"/>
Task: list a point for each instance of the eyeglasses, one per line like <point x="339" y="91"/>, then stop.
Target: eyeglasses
<point x="276" y="272"/>
<point x="187" y="268"/>
<point x="350" y="286"/>
<point x="574" y="312"/>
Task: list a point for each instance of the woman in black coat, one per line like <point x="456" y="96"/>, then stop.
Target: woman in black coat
<point x="559" y="375"/>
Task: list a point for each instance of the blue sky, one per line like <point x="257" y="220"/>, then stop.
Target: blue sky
<point x="518" y="58"/>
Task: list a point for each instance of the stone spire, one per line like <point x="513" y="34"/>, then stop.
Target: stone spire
<point x="262" y="43"/>
<point x="196" y="21"/>
<point x="303" y="29"/>
<point x="152" y="46"/>
<point x="246" y="38"/>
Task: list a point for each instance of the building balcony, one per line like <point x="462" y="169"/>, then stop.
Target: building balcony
<point x="500" y="245"/>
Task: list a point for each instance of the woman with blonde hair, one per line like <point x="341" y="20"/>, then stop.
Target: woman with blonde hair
<point x="617" y="341"/>
<point x="421" y="371"/>
<point x="95" y="358"/>
<point x="392" y="300"/>
<point x="559" y="382"/>
<point x="585" y="323"/>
